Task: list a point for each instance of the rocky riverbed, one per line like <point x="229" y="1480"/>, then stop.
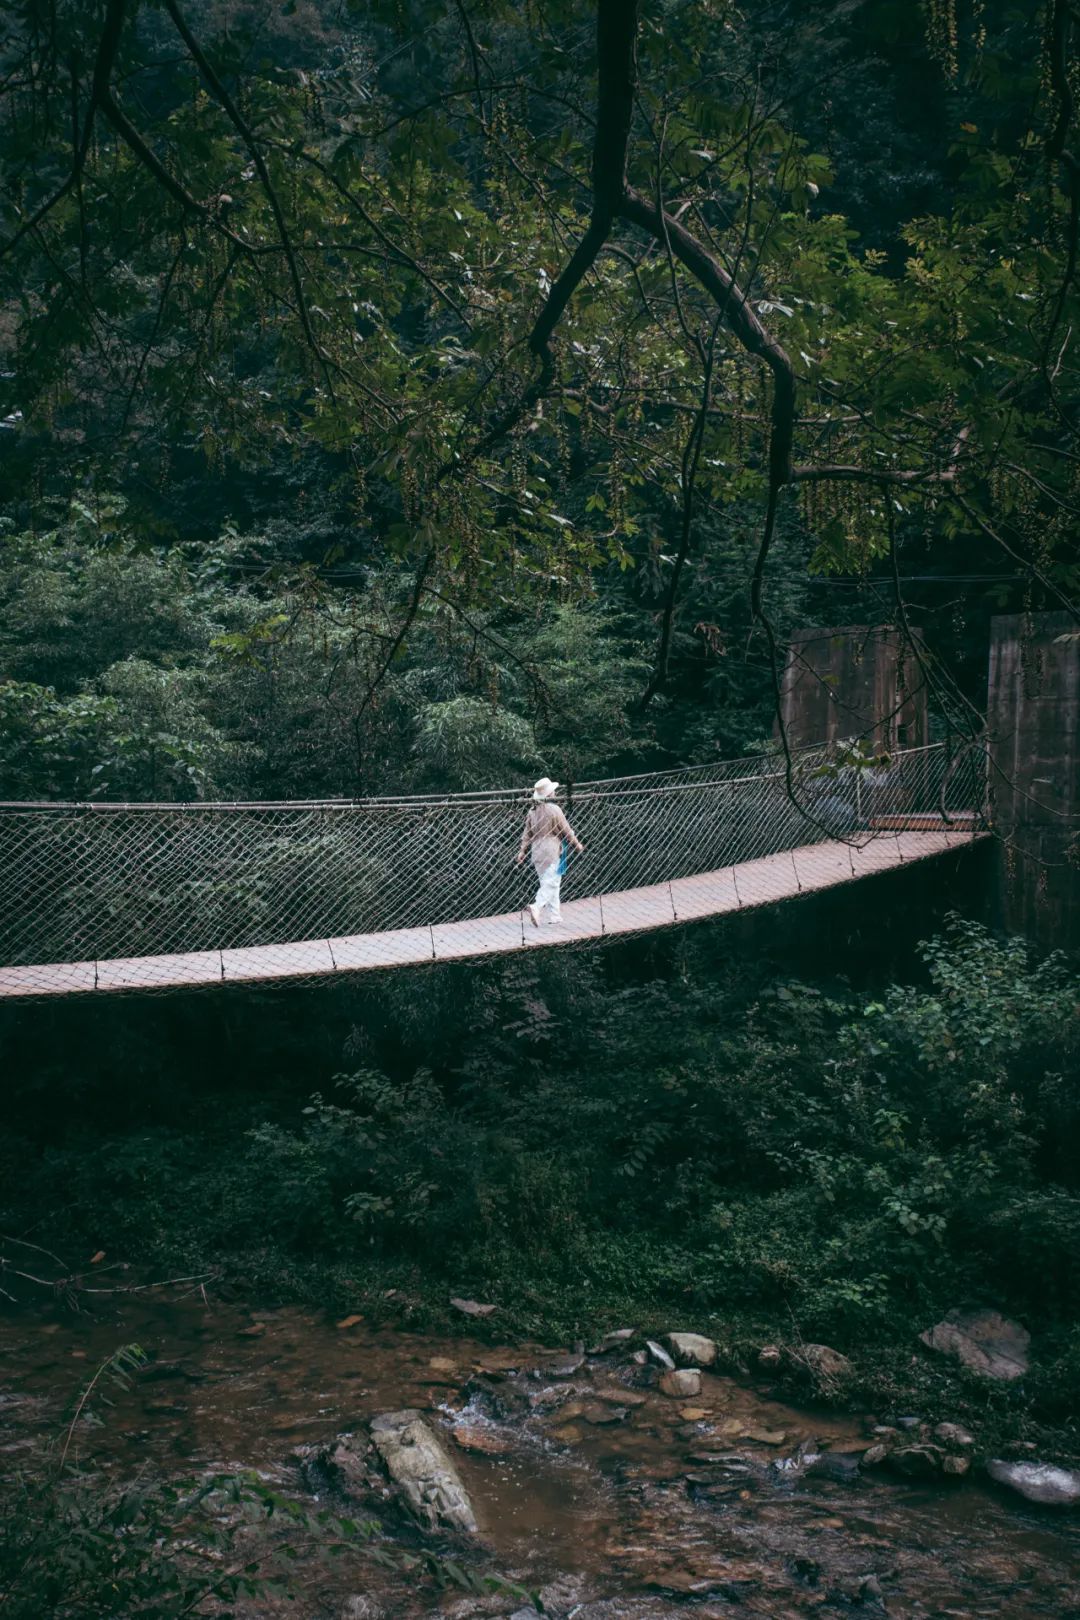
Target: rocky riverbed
<point x="620" y="1481"/>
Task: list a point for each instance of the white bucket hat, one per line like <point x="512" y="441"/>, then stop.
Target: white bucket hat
<point x="545" y="789"/>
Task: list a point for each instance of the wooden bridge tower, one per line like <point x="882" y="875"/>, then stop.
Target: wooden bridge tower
<point x="1033" y="722"/>
<point x="854" y="681"/>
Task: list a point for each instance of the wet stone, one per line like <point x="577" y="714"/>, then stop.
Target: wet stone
<point x="681" y="1383"/>
<point x="835" y="1466"/>
<point x="657" y="1353"/>
<point x="1039" y="1482"/>
<point x="423" y="1473"/>
<point x="570" y="1364"/>
<point x="598" y="1414"/>
<point x="499" y="1396"/>
<point x="477" y="1438"/>
<point x="618" y="1396"/>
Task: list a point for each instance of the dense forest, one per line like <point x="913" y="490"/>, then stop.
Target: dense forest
<point x="417" y="397"/>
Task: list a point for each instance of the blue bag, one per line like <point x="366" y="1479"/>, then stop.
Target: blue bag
<point x="564" y="855"/>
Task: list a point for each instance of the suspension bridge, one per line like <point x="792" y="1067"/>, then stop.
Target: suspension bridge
<point x="98" y="898"/>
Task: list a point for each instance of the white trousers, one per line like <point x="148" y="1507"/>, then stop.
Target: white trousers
<point x="547" y="895"/>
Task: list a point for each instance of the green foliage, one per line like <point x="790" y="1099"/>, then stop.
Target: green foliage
<point x="785" y="1147"/>
<point x="331" y="340"/>
<point x="464" y="743"/>
<point x="77" y="1545"/>
<point x="73" y="1544"/>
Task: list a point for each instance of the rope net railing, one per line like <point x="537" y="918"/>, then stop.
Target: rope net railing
<point x="86" y="885"/>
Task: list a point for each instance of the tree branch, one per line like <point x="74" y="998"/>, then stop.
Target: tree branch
<point x="108" y="45"/>
<point x="255" y="152"/>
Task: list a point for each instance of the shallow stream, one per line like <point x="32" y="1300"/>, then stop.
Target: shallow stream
<point x="591" y="1485"/>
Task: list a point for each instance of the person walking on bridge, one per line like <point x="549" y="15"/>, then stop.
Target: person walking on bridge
<point x="543" y="833"/>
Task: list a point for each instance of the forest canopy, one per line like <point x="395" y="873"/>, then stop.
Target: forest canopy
<point x="439" y="319"/>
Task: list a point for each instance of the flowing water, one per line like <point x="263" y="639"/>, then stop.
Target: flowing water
<point x="591" y="1485"/>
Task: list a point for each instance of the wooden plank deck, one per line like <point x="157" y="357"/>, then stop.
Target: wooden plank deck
<point x="763" y="882"/>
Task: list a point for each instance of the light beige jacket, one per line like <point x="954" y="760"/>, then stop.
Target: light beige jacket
<point x="545" y="828"/>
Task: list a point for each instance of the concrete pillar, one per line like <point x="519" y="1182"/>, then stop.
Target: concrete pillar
<point x="856" y="680"/>
<point x="1033" y="722"/>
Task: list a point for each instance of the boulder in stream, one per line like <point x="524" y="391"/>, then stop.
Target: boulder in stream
<point x="422" y="1471"/>
<point x="681" y="1382"/>
<point x="985" y="1342"/>
<point x="1039" y="1482"/>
